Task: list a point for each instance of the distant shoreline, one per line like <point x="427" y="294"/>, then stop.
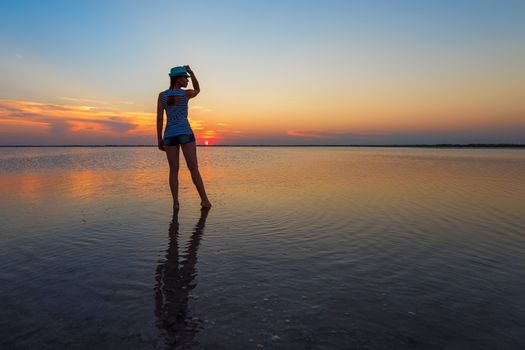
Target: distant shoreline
<point x="446" y="145"/>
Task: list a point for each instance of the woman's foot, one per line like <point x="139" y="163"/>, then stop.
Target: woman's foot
<point x="206" y="204"/>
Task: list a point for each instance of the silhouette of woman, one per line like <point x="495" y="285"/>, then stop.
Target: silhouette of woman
<point x="174" y="282"/>
<point x="178" y="131"/>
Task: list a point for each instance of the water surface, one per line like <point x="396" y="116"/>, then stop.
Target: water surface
<point x="305" y="248"/>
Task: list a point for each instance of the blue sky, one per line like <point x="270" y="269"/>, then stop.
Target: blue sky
<point x="260" y="59"/>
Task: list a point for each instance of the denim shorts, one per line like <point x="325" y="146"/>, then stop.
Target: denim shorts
<point x="179" y="140"/>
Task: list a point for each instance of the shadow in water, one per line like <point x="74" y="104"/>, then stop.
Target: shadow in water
<point x="174" y="283"/>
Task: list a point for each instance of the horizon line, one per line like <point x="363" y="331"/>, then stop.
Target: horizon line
<point x="455" y="145"/>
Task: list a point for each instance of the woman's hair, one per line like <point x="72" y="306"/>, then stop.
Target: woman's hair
<point x="173" y="80"/>
<point x="173" y="100"/>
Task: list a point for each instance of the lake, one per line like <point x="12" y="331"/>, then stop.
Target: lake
<point x="304" y="248"/>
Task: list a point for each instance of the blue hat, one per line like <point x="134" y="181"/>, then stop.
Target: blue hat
<point x="178" y="71"/>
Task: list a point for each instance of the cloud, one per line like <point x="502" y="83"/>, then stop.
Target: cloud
<point x="65" y="120"/>
<point x="71" y="124"/>
<point x="201" y="109"/>
<point x="317" y="134"/>
<point x="27" y="122"/>
<point x="93" y="101"/>
<point x="81" y="100"/>
<point x="330" y="135"/>
<point x="59" y="127"/>
<point x="118" y="126"/>
<point x="196" y="124"/>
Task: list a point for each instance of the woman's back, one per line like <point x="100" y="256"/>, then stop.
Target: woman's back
<point x="175" y="103"/>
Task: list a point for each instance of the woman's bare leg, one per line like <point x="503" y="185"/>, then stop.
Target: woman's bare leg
<point x="190" y="154"/>
<point x="172" y="152"/>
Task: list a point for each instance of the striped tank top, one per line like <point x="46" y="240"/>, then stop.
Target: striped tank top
<point x="177" y="114"/>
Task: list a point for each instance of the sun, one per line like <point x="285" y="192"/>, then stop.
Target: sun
<point x="206" y="142"/>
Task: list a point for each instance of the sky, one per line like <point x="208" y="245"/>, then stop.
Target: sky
<point x="271" y="72"/>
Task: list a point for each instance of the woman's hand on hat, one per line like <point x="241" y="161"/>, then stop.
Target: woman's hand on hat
<point x="188" y="69"/>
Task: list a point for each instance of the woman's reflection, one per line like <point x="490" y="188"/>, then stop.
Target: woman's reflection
<point x="175" y="280"/>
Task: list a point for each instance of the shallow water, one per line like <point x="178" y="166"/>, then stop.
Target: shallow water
<point x="305" y="248"/>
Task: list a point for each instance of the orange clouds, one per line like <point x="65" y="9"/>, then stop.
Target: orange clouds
<point x="68" y="119"/>
<point x="310" y="134"/>
<point x="56" y="123"/>
<point x="98" y="122"/>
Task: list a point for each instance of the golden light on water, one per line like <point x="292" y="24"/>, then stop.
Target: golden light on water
<point x="363" y="179"/>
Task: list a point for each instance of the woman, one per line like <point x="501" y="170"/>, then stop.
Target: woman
<point x="178" y="130"/>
